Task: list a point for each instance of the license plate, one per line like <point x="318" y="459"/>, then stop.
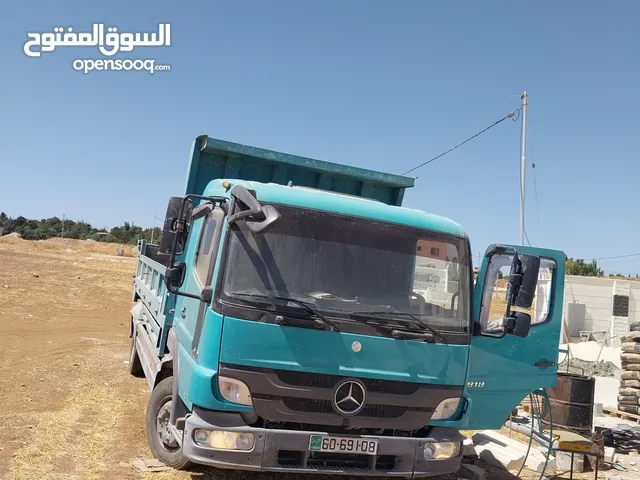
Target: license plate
<point x="326" y="443"/>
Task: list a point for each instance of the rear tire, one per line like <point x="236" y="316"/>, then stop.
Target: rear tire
<point x="135" y="366"/>
<point x="161" y="442"/>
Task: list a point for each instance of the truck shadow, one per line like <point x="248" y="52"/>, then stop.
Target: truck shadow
<point x="491" y="473"/>
<point x="213" y="474"/>
<point x="206" y="473"/>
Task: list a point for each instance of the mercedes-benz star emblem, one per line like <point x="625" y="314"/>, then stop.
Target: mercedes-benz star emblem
<point x="349" y="397"/>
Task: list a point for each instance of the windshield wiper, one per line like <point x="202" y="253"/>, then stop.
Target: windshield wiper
<point x="316" y="316"/>
<point x="385" y="313"/>
<point x="408" y="332"/>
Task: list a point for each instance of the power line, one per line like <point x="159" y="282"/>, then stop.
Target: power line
<point x="509" y="115"/>
<point x="527" y="236"/>
<point x="618" y="262"/>
<point x="617" y="256"/>
<point x="535" y="183"/>
<point x="535" y="190"/>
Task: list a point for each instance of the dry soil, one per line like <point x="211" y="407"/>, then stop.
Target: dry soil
<point x="70" y="410"/>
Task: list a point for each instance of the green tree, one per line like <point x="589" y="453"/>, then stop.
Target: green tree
<point x="580" y="267"/>
<point x="44" y="228"/>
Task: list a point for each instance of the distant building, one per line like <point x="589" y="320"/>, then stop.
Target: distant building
<point x="432" y="249"/>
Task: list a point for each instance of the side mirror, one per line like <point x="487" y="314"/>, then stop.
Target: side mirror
<point x="521" y="272"/>
<point x="245" y="206"/>
<point x="176" y="225"/>
<point x="518" y="324"/>
<point x="180" y="214"/>
<point x="271" y="217"/>
<point x="523" y="280"/>
<point x="521" y="291"/>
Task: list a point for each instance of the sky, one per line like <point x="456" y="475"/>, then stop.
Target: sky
<point x="375" y="84"/>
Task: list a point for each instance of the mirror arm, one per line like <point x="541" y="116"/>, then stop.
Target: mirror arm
<point x="240" y="195"/>
<point x="182" y="294"/>
<point x="206" y="295"/>
<point x="477" y="332"/>
<point x="180" y="223"/>
<point x="515" y="280"/>
<point x="202" y="210"/>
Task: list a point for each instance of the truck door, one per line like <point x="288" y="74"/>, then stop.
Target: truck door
<point x="503" y="371"/>
<point x="201" y="254"/>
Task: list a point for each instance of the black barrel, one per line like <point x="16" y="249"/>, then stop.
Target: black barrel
<point x="571" y="402"/>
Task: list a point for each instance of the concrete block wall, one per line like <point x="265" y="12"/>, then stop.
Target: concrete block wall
<point x="593" y="299"/>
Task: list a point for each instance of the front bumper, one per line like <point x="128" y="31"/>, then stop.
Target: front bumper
<point x="286" y="451"/>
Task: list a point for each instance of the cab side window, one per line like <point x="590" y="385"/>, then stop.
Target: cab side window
<point x="494" y="302"/>
<point x="208" y="247"/>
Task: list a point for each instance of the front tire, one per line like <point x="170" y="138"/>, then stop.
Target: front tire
<point x="163" y="446"/>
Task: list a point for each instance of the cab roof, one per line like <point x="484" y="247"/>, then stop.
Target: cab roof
<point x="317" y="199"/>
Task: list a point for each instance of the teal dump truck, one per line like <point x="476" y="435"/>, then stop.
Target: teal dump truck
<point x="296" y="318"/>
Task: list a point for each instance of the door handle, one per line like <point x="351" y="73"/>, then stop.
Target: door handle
<point x="544" y="364"/>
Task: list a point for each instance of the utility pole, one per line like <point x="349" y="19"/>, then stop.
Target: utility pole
<point x="523" y="163"/>
<point x="153" y="228"/>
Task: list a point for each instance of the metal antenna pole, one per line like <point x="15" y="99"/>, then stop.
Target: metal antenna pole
<point x="153" y="228"/>
<point x="523" y="163"/>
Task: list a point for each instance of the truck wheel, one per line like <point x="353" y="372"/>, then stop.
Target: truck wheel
<point x="135" y="367"/>
<point x="163" y="446"/>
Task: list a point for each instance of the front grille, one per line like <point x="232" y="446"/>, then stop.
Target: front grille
<point x="329" y="461"/>
<point x="315" y="380"/>
<point x="291" y="397"/>
<point x="324" y="406"/>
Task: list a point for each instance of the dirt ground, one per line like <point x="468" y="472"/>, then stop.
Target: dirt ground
<point x="70" y="410"/>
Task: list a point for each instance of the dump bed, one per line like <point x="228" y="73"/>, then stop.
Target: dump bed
<point x="155" y="304"/>
<point x="212" y="159"/>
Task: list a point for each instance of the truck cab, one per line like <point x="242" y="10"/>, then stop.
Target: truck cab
<point x="296" y="318"/>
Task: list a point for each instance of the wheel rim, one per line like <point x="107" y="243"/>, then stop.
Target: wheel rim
<point x="167" y="440"/>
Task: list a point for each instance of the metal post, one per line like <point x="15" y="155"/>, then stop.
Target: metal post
<point x="523" y="163"/>
<point x="153" y="228"/>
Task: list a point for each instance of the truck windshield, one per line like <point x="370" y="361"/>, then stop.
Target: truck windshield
<point x="344" y="265"/>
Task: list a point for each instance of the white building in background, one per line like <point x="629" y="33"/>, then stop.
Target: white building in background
<point x="431" y="274"/>
<point x="603" y="306"/>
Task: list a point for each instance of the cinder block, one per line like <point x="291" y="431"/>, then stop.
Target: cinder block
<point x="471" y="472"/>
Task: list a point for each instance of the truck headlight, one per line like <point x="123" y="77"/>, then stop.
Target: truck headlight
<point x="441" y="450"/>
<point x="223" y="440"/>
<point x="446" y="409"/>
<point x="234" y="391"/>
